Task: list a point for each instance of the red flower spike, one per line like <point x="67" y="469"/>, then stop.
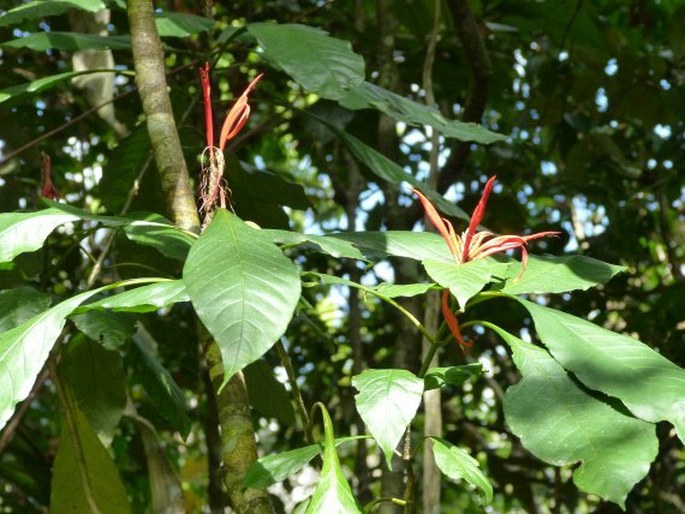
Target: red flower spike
<point x="49" y="191"/>
<point x="207" y="97"/>
<point x="443" y="226"/>
<point x="477" y="217"/>
<point x="237" y="116"/>
<point x="451" y="320"/>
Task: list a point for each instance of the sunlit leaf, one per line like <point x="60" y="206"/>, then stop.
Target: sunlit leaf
<point x="451" y="375"/>
<point x="243" y="289"/>
<point x="563" y="424"/>
<point x="650" y="385"/>
<point x="37" y="10"/>
<point x="414" y="245"/>
<point x="20" y="304"/>
<point x="70" y="41"/>
<point x="457" y="464"/>
<point x="146" y="298"/>
<point x="387" y="401"/>
<point x="178" y="24"/>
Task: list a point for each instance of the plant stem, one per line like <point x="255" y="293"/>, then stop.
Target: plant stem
<point x="295" y="389"/>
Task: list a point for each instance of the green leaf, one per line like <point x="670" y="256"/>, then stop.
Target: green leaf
<point x="398" y="243"/>
<point x="27" y="231"/>
<point x="329" y="245"/>
<point x="451" y="376"/>
<point x="368" y="95"/>
<point x="275" y="468"/>
<point x="171" y="24"/>
<point x="321" y="64"/>
<point x="391" y="172"/>
<point x="84" y="477"/>
<point x="465" y="280"/>
<point x="69" y="41"/>
<point x="401" y="290"/>
<point x="20" y="304"/>
<point x="147" y="298"/>
<point x="243" y="289"/>
<point x="40" y="9"/>
<point x="332" y="494"/>
<point x="156" y="231"/>
<point x="42" y="84"/>
<point x="162" y="391"/>
<point x="650" y="385"/>
<point x="267" y="394"/>
<point x="548" y="274"/>
<point x="97" y="379"/>
<point x="111" y="329"/>
<point x="562" y="424"/>
<point x="387" y="402"/>
<point x="457" y="464"/>
<point x="24" y="350"/>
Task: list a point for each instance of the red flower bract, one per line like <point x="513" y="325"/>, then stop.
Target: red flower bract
<point x="471" y="245"/>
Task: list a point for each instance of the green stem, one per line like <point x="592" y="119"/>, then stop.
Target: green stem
<point x="295" y="389"/>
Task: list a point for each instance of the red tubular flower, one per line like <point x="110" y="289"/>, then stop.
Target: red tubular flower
<point x="471" y="245"/>
<point x="49" y="190"/>
<point x="207" y="97"/>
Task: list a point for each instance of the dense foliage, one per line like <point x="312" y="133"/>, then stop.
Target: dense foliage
<point x="314" y="312"/>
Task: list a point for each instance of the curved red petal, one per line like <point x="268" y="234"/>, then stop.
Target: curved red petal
<point x="477" y="217"/>
<point x="451" y="320"/>
<point x="442" y="226"/>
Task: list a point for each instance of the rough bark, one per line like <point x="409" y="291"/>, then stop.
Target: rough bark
<point x="239" y="449"/>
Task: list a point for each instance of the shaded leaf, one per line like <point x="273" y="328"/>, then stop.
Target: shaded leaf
<point x="650" y="385"/>
<point x="330" y="245"/>
<point x="465" y="280"/>
<point x="457" y="464"/>
<point x="111" y="329"/>
<point x="387" y="402"/>
<point x="368" y="95"/>
<point x="97" y="380"/>
<point x="547" y="274"/>
<point x="562" y="424"/>
<point x="321" y="64"/>
<point x="402" y="290"/>
<point x="267" y="394"/>
<point x="156" y="231"/>
<point x="42" y="84"/>
<point x="176" y="24"/>
<point x="70" y="41"/>
<point x="84" y="477"/>
<point x="20" y="304"/>
<point x="162" y="391"/>
<point x="451" y="376"/>
<point x="243" y="289"/>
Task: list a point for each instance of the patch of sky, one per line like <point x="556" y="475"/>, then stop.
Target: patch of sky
<point x="519" y="105"/>
<point x="663" y="131"/>
<point x="563" y="56"/>
<point x="665" y="84"/>
<point x="651" y="163"/>
<point x="20" y="33"/>
<point x="668" y="164"/>
<point x="548" y="168"/>
<point x="259" y="162"/>
<point x="455" y="193"/>
<point x="601" y="100"/>
<point x="612" y="67"/>
<point x="44" y="26"/>
<point x="534" y="114"/>
<point x="520" y="64"/>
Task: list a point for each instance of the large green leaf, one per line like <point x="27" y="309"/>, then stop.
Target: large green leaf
<point x="146" y="298"/>
<point x="243" y="288"/>
<point x="465" y="280"/>
<point x="111" y="329"/>
<point x="27" y="231"/>
<point x="24" y="350"/>
<point x="69" y="41"/>
<point x="37" y="10"/>
<point x="84" y="477"/>
<point x="388" y="170"/>
<point x="402" y="290"/>
<point x="97" y="379"/>
<point x="368" y="95"/>
<point x="387" y="402"/>
<point x="275" y="468"/>
<point x="549" y="274"/>
<point x="562" y="424"/>
<point x="42" y="84"/>
<point x="457" y="464"/>
<point x="321" y="64"/>
<point x="398" y="243"/>
<point x="154" y="230"/>
<point x="20" y="304"/>
<point x="332" y="494"/>
<point x="650" y="385"/>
